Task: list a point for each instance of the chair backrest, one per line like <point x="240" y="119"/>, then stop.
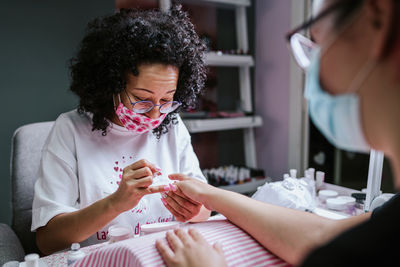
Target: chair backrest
<point x="26" y="152"/>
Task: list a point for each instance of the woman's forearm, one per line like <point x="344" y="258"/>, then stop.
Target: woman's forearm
<point x="67" y="228"/>
<point x="288" y="233"/>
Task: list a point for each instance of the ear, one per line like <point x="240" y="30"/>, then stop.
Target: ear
<point x="380" y="17"/>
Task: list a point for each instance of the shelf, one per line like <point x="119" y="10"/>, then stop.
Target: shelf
<point x="214" y="59"/>
<point x="246" y="187"/>
<point x="229" y="2"/>
<point x="221" y="124"/>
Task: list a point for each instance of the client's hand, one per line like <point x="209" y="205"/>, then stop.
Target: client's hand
<point x="183" y="208"/>
<point x="193" y="189"/>
<point x="135" y="182"/>
<point x="190" y="249"/>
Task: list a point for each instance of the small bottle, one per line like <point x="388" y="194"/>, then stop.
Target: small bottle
<point x="319" y="181"/>
<point x="293" y="173"/>
<point x="32" y="260"/>
<point x="75" y="254"/>
<point x="311" y="172"/>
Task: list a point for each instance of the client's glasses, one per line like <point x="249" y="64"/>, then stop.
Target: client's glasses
<point x="144" y="106"/>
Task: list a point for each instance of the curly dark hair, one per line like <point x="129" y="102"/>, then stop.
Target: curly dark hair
<point x="115" y="45"/>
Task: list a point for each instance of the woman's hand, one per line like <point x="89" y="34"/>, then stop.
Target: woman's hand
<point x="190" y="249"/>
<point x="135" y="182"/>
<point x="193" y="189"/>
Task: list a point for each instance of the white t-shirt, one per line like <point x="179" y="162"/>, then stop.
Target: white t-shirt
<point x="80" y="166"/>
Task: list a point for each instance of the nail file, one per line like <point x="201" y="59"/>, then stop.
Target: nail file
<point x="158" y="227"/>
<point x="161" y="180"/>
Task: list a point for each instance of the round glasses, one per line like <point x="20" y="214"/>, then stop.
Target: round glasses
<point x="302" y="49"/>
<point x="144" y="106"/>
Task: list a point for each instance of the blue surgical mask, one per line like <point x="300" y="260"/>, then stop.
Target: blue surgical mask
<point x="336" y="116"/>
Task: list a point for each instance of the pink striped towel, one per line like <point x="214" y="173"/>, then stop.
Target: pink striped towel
<point x="240" y="249"/>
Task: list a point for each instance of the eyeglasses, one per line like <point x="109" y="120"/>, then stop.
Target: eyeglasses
<point x="144" y="106"/>
<point x="302" y="47"/>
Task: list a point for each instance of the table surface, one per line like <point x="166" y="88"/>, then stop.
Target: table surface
<point x="60" y="259"/>
<point x="240" y="249"/>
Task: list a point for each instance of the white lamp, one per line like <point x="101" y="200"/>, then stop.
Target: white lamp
<point x="374" y="177"/>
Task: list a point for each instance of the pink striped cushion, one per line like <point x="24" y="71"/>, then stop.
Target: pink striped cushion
<point x="240" y="249"/>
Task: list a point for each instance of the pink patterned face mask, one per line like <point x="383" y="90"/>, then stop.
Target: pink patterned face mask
<point x="136" y="122"/>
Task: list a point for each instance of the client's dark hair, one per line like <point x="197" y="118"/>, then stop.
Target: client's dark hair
<point x="115" y="45"/>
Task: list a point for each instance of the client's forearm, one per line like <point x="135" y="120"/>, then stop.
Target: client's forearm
<point x="67" y="228"/>
<point x="288" y="233"/>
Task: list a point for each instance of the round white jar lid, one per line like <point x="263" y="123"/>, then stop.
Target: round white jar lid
<point x="336" y="204"/>
<point x="325" y="194"/>
<point x="349" y="200"/>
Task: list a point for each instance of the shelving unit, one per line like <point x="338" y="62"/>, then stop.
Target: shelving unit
<point x="243" y="63"/>
<point x="230" y="2"/>
<point x="221" y="124"/>
<point x="221" y="60"/>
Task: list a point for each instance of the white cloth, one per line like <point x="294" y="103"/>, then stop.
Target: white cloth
<point x="80" y="166"/>
<point x="290" y="193"/>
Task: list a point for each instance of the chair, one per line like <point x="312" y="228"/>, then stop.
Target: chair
<point x="26" y="150"/>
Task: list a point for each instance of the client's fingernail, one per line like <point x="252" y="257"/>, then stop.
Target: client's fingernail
<point x="163" y="195"/>
<point x="173" y="187"/>
<point x="164" y="202"/>
<point x="167" y="188"/>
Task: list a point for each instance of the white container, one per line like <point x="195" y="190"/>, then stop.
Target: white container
<point x="119" y="232"/>
<point x="293" y="173"/>
<point x="311" y="172"/>
<point x="325" y="194"/>
<point x="380" y="200"/>
<point x="75" y="254"/>
<point x="11" y="264"/>
<point x="32" y="260"/>
<point x="336" y="204"/>
<point x="350" y="201"/>
<point x="158" y="227"/>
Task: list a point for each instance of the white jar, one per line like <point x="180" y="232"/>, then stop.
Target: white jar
<point x="325" y="194"/>
<point x="119" y="232"/>
<point x="336" y="204"/>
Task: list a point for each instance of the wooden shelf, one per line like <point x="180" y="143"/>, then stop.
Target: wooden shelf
<point x="245" y="187"/>
<point x="216" y="59"/>
<point x="222" y="124"/>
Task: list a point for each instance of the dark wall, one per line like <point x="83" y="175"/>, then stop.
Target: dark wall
<point x="37" y="38"/>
